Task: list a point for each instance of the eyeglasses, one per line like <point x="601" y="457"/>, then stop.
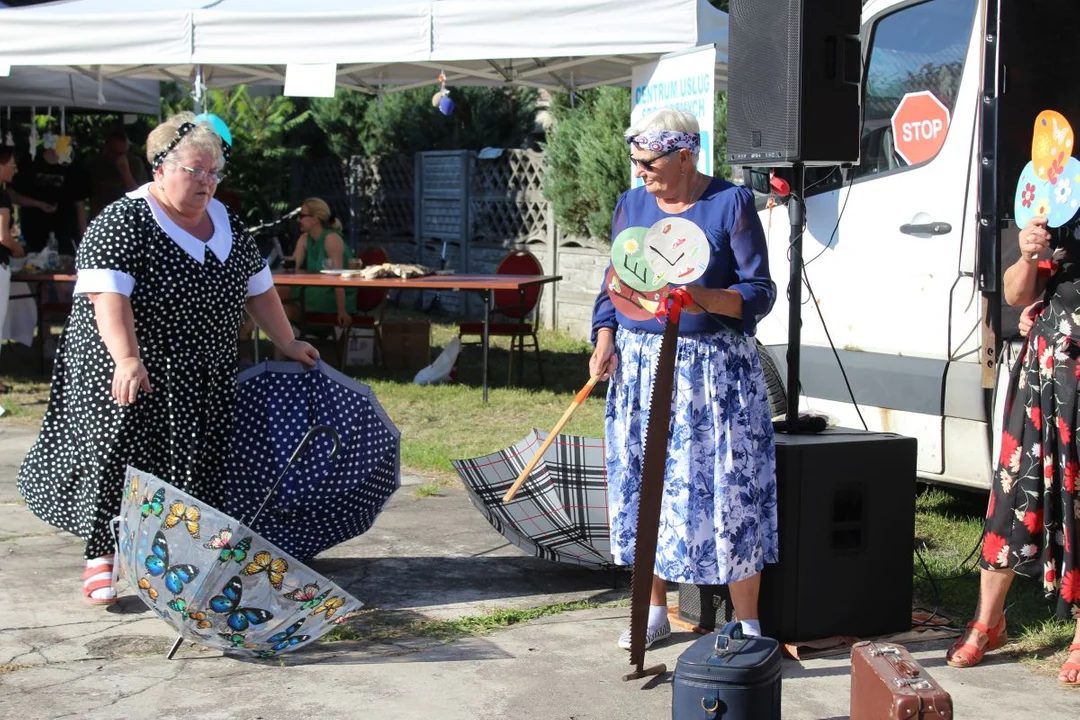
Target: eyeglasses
<point x="203" y="176"/>
<point x="306" y="215"/>
<point x="649" y="165"/>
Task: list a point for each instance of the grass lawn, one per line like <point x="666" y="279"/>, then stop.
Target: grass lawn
<point x="440" y="423"/>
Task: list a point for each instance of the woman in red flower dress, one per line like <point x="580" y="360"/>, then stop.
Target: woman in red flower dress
<point x="1034" y="511"/>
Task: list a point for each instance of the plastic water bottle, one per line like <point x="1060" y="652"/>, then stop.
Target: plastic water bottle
<point x="52" y="253"/>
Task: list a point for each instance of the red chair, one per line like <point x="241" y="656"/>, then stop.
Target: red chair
<point x="516" y="307"/>
<point x="367" y="303"/>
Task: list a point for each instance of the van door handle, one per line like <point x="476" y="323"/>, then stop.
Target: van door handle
<point x="931" y="228"/>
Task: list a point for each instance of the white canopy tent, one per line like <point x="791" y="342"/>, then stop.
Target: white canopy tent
<point x="33" y="87"/>
<point x="377" y="45"/>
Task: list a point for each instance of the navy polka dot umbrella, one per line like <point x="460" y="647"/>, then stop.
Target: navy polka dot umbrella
<point x="321" y="501"/>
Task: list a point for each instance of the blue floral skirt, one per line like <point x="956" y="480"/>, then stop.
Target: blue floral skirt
<point x="718" y="516"/>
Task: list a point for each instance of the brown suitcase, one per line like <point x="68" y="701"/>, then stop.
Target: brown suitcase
<point x="887" y="683"/>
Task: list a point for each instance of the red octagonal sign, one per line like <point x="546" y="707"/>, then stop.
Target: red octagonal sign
<point x="919" y="126"/>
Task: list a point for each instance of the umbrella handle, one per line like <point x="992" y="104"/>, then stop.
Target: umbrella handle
<point x="578" y="400"/>
<point x="315" y="430"/>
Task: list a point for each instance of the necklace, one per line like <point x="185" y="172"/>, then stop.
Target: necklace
<point x="695" y="195"/>
<point x="700" y="188"/>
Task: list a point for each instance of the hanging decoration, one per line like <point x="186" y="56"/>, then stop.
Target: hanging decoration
<point x="441" y="99"/>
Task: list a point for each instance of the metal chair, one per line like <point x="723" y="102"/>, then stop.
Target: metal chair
<point x="516" y="307"/>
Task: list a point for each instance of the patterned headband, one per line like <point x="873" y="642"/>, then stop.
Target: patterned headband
<point x="181" y="132"/>
<point x="665" y="141"/>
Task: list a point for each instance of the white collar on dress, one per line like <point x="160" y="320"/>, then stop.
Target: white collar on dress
<point x="221" y="242"/>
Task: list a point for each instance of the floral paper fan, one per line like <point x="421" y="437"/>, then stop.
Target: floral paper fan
<point x="1049" y="185"/>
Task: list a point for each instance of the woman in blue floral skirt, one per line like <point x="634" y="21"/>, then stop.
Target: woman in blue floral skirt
<point x="718" y="516"/>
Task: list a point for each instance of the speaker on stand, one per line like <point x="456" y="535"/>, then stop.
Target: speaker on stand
<point x="845" y="499"/>
<point x="794" y="78"/>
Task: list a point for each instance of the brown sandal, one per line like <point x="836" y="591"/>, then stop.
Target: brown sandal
<point x="97" y="578"/>
<point x="1070" y="665"/>
<point x="969" y="654"/>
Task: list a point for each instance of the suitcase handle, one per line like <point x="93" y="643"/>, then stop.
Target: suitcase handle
<point x="731" y="631"/>
<point x="907" y="670"/>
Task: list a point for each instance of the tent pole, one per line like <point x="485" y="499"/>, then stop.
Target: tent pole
<point x="197" y="92"/>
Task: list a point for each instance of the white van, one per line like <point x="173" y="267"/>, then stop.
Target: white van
<point x="905" y="258"/>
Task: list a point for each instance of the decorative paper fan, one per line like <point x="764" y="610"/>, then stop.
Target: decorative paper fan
<point x="1049" y="185"/>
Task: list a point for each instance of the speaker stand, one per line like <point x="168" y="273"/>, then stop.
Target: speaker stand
<point x="797" y="219"/>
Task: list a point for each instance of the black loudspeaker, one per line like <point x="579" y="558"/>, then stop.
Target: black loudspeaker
<point x="794" y="71"/>
<point x="846" y="509"/>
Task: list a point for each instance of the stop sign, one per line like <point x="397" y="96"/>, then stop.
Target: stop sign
<point x="919" y="126"/>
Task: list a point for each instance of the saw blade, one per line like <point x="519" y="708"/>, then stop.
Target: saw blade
<point x="652" y="488"/>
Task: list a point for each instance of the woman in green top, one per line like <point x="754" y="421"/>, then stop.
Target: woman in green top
<point x="320" y="247"/>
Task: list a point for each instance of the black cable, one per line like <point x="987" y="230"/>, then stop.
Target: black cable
<point x="832" y="346"/>
<point x="836" y="227"/>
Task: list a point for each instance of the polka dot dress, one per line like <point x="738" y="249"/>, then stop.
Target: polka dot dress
<point x="321" y="501"/>
<point x="187" y="315"/>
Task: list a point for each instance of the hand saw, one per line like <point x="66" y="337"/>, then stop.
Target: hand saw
<point x="652" y="485"/>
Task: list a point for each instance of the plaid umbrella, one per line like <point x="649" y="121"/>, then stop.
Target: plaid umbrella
<point x="560" y="512"/>
<point x="322" y="501"/>
<point x="219" y="583"/>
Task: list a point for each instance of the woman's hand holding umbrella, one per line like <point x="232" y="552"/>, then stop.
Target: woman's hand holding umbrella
<point x="302" y="352"/>
<point x="604" y="361"/>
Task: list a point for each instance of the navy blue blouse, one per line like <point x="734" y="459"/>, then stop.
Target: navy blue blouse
<point x="739" y="257"/>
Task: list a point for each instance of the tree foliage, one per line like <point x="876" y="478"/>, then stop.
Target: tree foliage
<point x="585" y="158"/>
<point x="407" y="122"/>
<point x="263" y="145"/>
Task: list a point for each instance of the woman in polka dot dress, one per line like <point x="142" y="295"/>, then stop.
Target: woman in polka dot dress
<point x="145" y="371"/>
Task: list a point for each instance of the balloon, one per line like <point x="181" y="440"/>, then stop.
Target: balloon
<point x="217" y="125"/>
<point x="446" y="105"/>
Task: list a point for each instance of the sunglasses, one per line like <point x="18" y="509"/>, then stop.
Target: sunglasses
<point x="650" y="165"/>
<point x="306" y="215"/>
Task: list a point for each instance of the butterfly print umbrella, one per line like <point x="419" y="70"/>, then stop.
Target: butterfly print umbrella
<point x="322" y="501"/>
<point x="219" y="583"/>
<point x="560" y="512"/>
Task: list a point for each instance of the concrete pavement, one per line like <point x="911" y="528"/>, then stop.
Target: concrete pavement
<point x="426" y="559"/>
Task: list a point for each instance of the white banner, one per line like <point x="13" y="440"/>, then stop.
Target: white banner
<point x="684" y="81"/>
